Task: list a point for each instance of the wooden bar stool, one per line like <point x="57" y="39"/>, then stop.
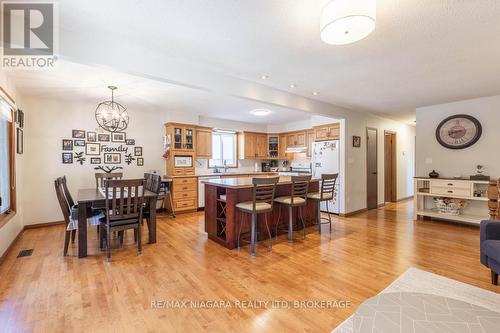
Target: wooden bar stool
<point x="262" y="203"/>
<point x="298" y="198"/>
<point x="326" y="194"/>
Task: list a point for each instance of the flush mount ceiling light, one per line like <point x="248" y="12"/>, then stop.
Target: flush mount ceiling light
<point x="347" y="21"/>
<point x="260" y="112"/>
<point x="264" y="77"/>
<point x="110" y="115"/>
<point x="315" y="93"/>
<point x="292" y="85"/>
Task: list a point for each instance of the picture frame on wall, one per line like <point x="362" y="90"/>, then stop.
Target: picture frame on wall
<point x="79" y="143"/>
<point x="95" y="160"/>
<point x="112" y="158"/>
<point x="91" y="136"/>
<point x="20" y="141"/>
<point x="78" y="134"/>
<point x="93" y="149"/>
<point x="103" y="137"/>
<point x="356" y="141"/>
<point x="140" y="161"/>
<point x="67" y="144"/>
<point x="118" y="137"/>
<point x="137" y="151"/>
<point x="20" y="118"/>
<point x="130" y="142"/>
<point x="67" y="158"/>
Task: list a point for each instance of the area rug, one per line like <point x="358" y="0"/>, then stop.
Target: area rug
<point x="418" y="281"/>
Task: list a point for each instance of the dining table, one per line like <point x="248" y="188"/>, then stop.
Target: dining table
<point x="93" y="198"/>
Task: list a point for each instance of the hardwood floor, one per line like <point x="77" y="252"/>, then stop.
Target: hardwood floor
<point x="364" y="254"/>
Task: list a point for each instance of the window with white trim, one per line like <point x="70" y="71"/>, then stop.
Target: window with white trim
<point x="224" y="149"/>
<point x="5" y="158"/>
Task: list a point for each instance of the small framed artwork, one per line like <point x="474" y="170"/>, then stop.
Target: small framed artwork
<point x="67" y="158"/>
<point x="140" y="161"/>
<point x="356" y="141"/>
<point x="79" y="143"/>
<point x="130" y="142"/>
<point x="103" y="137"/>
<point x="137" y="151"/>
<point x="20" y="141"/>
<point x="112" y="158"/>
<point x="91" y="136"/>
<point x="20" y="118"/>
<point x="78" y="134"/>
<point x="95" y="160"/>
<point x="93" y="149"/>
<point x="118" y="137"/>
<point x="67" y="144"/>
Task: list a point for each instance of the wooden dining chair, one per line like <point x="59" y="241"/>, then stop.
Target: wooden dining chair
<point x="65" y="208"/>
<point x="100" y="177"/>
<point x="124" y="206"/>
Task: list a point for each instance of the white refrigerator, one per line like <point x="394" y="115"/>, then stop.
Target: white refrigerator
<point x="326" y="159"/>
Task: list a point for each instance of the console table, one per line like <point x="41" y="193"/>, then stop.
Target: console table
<point x="475" y="192"/>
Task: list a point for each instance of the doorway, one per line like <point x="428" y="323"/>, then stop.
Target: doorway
<point x="390" y="167"/>
<point x="371" y="168"/>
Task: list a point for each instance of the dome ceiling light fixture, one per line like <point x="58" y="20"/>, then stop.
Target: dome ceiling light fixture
<point x="260" y="112"/>
<point x="347" y="21"/>
<point x="110" y="115"/>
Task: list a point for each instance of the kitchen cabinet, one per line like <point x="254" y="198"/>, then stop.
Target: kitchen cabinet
<point x="310" y="140"/>
<point x="252" y="146"/>
<point x="185" y="193"/>
<point x="203" y="142"/>
<point x="327" y="132"/>
<point x="282" y="147"/>
<point x="182" y="137"/>
<point x="296" y="139"/>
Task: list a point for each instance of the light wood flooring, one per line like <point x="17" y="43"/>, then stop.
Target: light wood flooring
<point x="363" y="255"/>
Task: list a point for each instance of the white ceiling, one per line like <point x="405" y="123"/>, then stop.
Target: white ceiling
<point x="422" y="52"/>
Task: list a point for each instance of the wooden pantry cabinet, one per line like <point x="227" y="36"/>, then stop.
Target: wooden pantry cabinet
<point x="327" y="132"/>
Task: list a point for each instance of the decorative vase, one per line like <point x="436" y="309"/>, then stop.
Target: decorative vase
<point x="434" y="174"/>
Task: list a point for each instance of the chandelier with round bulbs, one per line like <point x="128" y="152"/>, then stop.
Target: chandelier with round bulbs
<point x="347" y="21"/>
<point x="110" y="115"/>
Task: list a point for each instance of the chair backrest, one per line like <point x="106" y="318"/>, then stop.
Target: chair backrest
<point x="300" y="187"/>
<point x="124" y="199"/>
<point x="153" y="182"/>
<point x="63" y="203"/>
<point x="67" y="194"/>
<point x="328" y="184"/>
<point x="264" y="190"/>
<point x="100" y="177"/>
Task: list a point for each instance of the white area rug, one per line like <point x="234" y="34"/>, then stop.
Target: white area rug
<point x="418" y="281"/>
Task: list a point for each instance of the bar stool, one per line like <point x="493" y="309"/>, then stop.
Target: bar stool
<point x="326" y="194"/>
<point x="262" y="203"/>
<point x="298" y="198"/>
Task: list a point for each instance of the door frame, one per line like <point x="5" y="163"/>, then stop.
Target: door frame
<point x="376" y="163"/>
<point x="394" y="165"/>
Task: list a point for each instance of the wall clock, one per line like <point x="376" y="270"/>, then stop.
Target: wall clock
<point x="459" y="131"/>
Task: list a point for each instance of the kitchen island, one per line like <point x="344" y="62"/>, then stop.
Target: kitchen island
<point x="222" y="218"/>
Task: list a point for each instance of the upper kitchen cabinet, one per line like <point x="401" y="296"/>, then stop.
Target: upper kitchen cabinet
<point x="327" y="132"/>
<point x="310" y="140"/>
<point x="203" y="142"/>
<point x="253" y="146"/>
<point x="282" y="147"/>
<point x="296" y="139"/>
<point x="182" y="137"/>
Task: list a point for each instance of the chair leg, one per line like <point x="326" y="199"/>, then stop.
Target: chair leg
<point x="73" y="236"/>
<point x="135" y="235"/>
<point x="67" y="236"/>
<point x="239" y="232"/>
<point x="319" y="216"/>
<point x="108" y="240"/>
<point x="252" y="236"/>
<point x="329" y="216"/>
<point x="278" y="222"/>
<point x="139" y="238"/>
<point x="494" y="277"/>
<point x="101" y="239"/>
<point x="120" y="237"/>
<point x="269" y="232"/>
<point x="290" y="224"/>
<point x="302" y="220"/>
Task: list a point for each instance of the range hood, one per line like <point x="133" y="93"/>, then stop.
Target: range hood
<point x="299" y="149"/>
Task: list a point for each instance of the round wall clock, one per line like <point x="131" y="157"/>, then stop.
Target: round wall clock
<point x="459" y="131"/>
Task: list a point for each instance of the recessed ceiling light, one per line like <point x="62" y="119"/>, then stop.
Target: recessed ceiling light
<point x="292" y="85"/>
<point x="315" y="93"/>
<point x="264" y="77"/>
<point x="260" y="112"/>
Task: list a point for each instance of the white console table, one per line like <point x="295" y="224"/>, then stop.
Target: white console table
<point x="426" y="189"/>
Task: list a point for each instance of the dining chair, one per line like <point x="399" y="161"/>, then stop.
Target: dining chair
<point x="297" y="198"/>
<point x="100" y="177"/>
<point x="66" y="211"/>
<point x="325" y="194"/>
<point x="124" y="208"/>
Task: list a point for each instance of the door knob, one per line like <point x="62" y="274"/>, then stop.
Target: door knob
<point x="374" y="173"/>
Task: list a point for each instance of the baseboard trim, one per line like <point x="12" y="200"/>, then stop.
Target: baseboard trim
<point x="354" y="213"/>
<point x="41" y="225"/>
<point x="381" y="205"/>
<point x="11" y="245"/>
<point x="405" y="198"/>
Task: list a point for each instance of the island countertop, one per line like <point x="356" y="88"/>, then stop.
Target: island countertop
<point x="246" y="182"/>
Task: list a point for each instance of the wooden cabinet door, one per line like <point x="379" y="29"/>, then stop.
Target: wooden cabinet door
<point x="189" y="139"/>
<point x="291" y="140"/>
<point x="282" y="147"/>
<point x="249" y="145"/>
<point x="261" y="146"/>
<point x="203" y="143"/>
<point x="321" y="133"/>
<point x="334" y="132"/>
<point x="301" y="138"/>
<point x="309" y="141"/>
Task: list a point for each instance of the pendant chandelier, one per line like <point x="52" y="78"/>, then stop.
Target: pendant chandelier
<point x="347" y="21"/>
<point x="110" y="115"/>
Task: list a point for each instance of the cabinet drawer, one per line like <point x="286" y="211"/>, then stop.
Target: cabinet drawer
<point x="450" y="191"/>
<point x="185" y="204"/>
<point x="451" y="184"/>
<point x="185" y="187"/>
<point x="185" y="181"/>
<point x="185" y="194"/>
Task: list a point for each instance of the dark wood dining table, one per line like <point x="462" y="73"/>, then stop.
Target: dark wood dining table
<point x="93" y="198"/>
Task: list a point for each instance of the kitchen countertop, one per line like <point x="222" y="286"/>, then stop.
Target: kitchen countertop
<point x="246" y="182"/>
<point x="229" y="173"/>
